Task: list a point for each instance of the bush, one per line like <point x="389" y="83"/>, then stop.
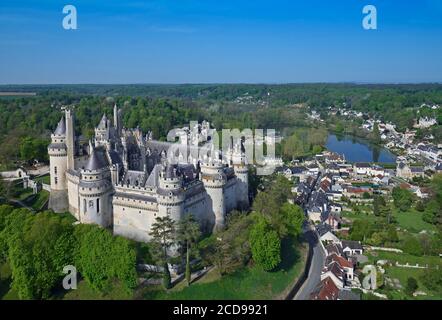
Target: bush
<point x="411" y="286"/>
<point x="412" y="246"/>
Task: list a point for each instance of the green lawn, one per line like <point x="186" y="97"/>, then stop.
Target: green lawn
<point x="364" y="215"/>
<point x="36" y="201"/>
<point x="44" y="179"/>
<point x="403" y="258"/>
<point x="247" y="283"/>
<point x="412" y="221"/>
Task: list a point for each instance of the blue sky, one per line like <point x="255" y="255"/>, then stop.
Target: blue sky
<point x="224" y="41"/>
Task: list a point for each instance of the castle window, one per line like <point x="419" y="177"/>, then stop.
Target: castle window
<point x="84" y="206"/>
<point x="98" y="205"/>
<point x="55" y="170"/>
<point x="55" y="180"/>
<point x="91" y="203"/>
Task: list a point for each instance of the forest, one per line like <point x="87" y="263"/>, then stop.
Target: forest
<point x="27" y="121"/>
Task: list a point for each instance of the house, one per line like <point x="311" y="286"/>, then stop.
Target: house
<point x="421" y="192"/>
<point x="335" y="272"/>
<point x="325" y="234"/>
<point x="313" y="169"/>
<point x="376" y="170"/>
<point x="334" y="248"/>
<point x="334" y="195"/>
<point x="438" y="168"/>
<point x="351" y="248"/>
<point x="361" y="168"/>
<point x="345" y="265"/>
<point x="332" y="168"/>
<point x="335" y="207"/>
<point x="326" y="290"/>
<point x="317" y="208"/>
<point x="290" y="172"/>
<point x="403" y="170"/>
<point x="333" y="220"/>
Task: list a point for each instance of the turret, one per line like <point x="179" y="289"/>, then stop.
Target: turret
<point x="102" y="132"/>
<point x="214" y="180"/>
<point x="57" y="151"/>
<point x="170" y="193"/>
<point x="240" y="167"/>
<point x="58" y="164"/>
<point x="117" y="121"/>
<point x="70" y="138"/>
<point x="95" y="190"/>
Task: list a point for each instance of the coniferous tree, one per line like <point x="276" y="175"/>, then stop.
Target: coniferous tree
<point x="163" y="236"/>
<point x="188" y="233"/>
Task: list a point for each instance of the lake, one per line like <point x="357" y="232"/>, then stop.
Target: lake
<point x="358" y="150"/>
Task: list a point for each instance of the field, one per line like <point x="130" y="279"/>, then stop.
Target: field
<point x="412" y="221"/>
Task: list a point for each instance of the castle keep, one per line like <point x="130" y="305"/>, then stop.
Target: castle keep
<point x="124" y="179"/>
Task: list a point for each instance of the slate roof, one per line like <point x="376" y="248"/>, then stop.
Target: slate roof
<point x="61" y="127"/>
<point x="103" y="122"/>
<point x="362" y="165"/>
<point x="97" y="160"/>
<point x="354" y="245"/>
<point x="323" y="228"/>
<point x="334" y="248"/>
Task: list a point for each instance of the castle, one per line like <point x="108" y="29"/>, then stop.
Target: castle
<point x="124" y="180"/>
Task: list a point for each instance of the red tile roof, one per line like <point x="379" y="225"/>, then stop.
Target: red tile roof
<point x="327" y="290"/>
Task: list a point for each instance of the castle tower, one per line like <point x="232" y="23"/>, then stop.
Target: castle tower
<point x="240" y="167"/>
<point x="170" y="193"/>
<point x="102" y="132"/>
<point x="117" y="120"/>
<point x="214" y="180"/>
<point x="58" y="165"/>
<point x="70" y="139"/>
<point x="95" y="190"/>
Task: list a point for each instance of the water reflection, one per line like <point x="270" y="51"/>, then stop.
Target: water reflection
<point x="358" y="150"/>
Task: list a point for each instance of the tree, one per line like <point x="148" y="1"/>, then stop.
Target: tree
<point x="412" y="246"/>
<point x="229" y="249"/>
<point x="378" y="205"/>
<point x="188" y="233"/>
<point x="294" y="217"/>
<point x="265" y="245"/>
<point x="375" y="135"/>
<point x="37" y="248"/>
<point x="101" y="258"/>
<point x="432" y="279"/>
<point x="402" y="198"/>
<point x="163" y="236"/>
<point x="411" y="286"/>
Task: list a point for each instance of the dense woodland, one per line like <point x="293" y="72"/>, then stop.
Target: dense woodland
<point x="26" y="122"/>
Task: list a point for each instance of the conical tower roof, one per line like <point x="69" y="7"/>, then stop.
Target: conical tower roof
<point x="61" y="127"/>
<point x="97" y="160"/>
<point x="103" y="122"/>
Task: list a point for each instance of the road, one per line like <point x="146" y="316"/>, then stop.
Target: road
<point x="314" y="275"/>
